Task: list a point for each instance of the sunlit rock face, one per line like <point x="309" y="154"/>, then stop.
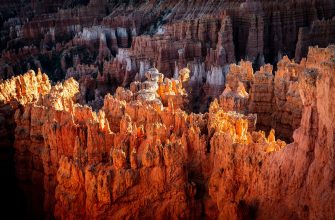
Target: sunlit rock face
<point x="281" y="184"/>
<point x="167" y="109"/>
<point x="142" y="149"/>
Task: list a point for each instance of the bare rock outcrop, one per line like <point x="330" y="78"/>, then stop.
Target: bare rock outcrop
<point x="274" y="97"/>
<point x="145" y="151"/>
<point x="288" y="183"/>
<point x="261" y="95"/>
<point x="321" y="33"/>
<point x="91" y="165"/>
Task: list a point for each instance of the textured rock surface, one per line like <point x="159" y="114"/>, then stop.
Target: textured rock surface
<point x="123" y="38"/>
<point x="287" y="108"/>
<point x="286" y="184"/>
<point x="14" y="93"/>
<point x="273" y="96"/>
<point x="320" y="33"/>
<point x="261" y="95"/>
<point x="146" y="151"/>
<point x="139" y="158"/>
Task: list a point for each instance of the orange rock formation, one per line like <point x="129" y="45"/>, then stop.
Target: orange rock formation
<point x="142" y="156"/>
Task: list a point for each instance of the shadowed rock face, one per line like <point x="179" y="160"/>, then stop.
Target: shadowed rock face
<point x="105" y="44"/>
<point x="142" y="156"/>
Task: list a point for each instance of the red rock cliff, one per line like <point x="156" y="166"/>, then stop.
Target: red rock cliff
<point x="140" y="156"/>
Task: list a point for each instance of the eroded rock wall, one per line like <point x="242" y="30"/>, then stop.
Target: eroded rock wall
<point x="123" y="38"/>
<point x="286" y="184"/>
<point x="142" y="156"/>
<point x="19" y="189"/>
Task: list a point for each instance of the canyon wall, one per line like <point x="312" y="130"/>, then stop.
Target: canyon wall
<point x="180" y="145"/>
<point x="142" y="156"/>
<point x="25" y="196"/>
<point x="272" y="95"/>
<point x="291" y="183"/>
<point x="125" y="38"/>
<point x="321" y="33"/>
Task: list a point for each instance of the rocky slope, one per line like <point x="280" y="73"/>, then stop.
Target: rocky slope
<point x="141" y="155"/>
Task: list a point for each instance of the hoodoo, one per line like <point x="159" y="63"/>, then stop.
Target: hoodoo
<point x="167" y="109"/>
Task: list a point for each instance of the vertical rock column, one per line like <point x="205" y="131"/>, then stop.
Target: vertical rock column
<point x="261" y="96"/>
